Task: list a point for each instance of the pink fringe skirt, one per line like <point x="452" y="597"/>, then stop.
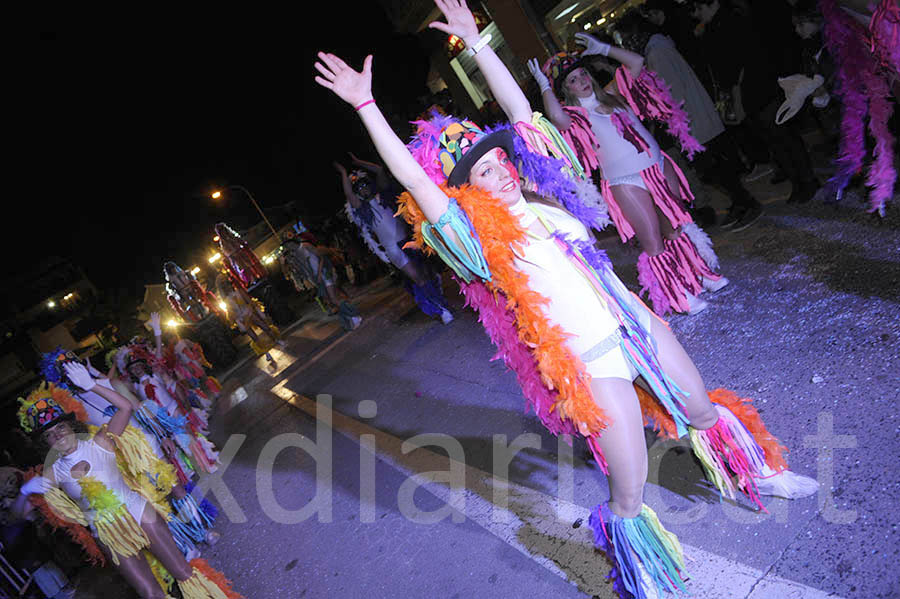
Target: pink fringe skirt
<point x="670" y="204"/>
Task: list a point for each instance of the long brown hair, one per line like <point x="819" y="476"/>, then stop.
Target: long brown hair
<point x="608" y="100"/>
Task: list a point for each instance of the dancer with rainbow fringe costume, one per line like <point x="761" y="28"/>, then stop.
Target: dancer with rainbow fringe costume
<point x="98" y="483"/>
<point x="370" y="205"/>
<point x="194" y="520"/>
<point x="646" y="193"/>
<point x="530" y="270"/>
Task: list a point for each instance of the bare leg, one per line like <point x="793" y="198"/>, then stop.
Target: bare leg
<point x="136" y="571"/>
<point x="162" y="545"/>
<point x="623" y="444"/>
<point x="332" y="295"/>
<point x="678" y="365"/>
<point x="640" y="212"/>
<point x="414" y="273"/>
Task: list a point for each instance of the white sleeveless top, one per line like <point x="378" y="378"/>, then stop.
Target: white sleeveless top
<point x="103" y="468"/>
<point x="617" y="156"/>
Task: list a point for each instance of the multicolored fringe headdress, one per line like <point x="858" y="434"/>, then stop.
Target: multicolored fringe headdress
<point x="46" y="406"/>
<point x="51" y="366"/>
<point x="448" y="147"/>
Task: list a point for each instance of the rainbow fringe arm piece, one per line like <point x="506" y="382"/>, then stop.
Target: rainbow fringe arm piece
<point x="116" y="528"/>
<point x="557" y="144"/>
<point x="649" y="97"/>
<point x="468" y="261"/>
<point x="207" y="583"/>
<point x="639" y="540"/>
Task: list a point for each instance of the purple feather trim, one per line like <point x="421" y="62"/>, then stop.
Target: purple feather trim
<point x="425" y="146"/>
<point x="500" y="324"/>
<point x="604" y="544"/>
<point x="881" y="175"/>
<point x="551" y="181"/>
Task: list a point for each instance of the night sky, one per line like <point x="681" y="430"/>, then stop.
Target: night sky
<point x="133" y="126"/>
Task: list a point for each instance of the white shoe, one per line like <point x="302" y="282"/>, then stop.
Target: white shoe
<point x="193" y="554"/>
<point x="212" y="537"/>
<point x="786" y="484"/>
<point x="713" y="286"/>
<point x="695" y="304"/>
<point x="446" y="317"/>
<point x="649" y="587"/>
<point x="355" y="321"/>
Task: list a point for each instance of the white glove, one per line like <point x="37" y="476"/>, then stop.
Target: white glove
<point x="79" y="375"/>
<point x="538" y="75"/>
<point x="36" y="486"/>
<point x="154" y="324"/>
<point x="593" y="45"/>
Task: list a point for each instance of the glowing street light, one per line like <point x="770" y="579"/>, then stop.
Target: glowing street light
<point x="218" y="194"/>
<point x="214" y="258"/>
<point x="51" y="304"/>
<point x="224" y="306"/>
<point x="195" y="270"/>
<point x="172" y="323"/>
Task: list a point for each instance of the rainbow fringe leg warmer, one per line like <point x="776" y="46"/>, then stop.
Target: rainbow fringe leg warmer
<point x="642" y="540"/>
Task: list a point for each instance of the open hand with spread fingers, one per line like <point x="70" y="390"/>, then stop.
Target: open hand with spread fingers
<point x="351" y="86"/>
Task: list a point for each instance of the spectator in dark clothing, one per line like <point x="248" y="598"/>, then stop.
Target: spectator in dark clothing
<point x="720" y="163"/>
<point x="742" y="64"/>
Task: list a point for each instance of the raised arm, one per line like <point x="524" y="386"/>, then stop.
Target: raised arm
<point x="382" y="181"/>
<point x="461" y="23"/>
<point x="345" y="184"/>
<point x="631" y="60"/>
<point x="157" y="333"/>
<point x="355" y="88"/>
<point x="79" y="375"/>
<point x="552" y="107"/>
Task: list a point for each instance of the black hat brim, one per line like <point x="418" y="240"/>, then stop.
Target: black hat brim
<point x="68" y="416"/>
<point x="558" y="82"/>
<point x="497" y="139"/>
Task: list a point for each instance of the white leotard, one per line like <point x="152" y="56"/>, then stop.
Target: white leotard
<point x="103" y="467"/>
<point x="574" y="304"/>
<point x="617" y="156"/>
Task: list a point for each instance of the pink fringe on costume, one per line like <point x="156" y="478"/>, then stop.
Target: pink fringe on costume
<point x="581" y="138"/>
<point x="674" y="278"/>
<point x="649" y="97"/>
<point x="622" y="123"/>
<point x="686" y="250"/>
<point x="650" y="285"/>
<point x="658" y="186"/>
<point x="731" y="451"/>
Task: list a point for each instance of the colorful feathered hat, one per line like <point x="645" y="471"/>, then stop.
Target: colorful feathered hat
<point x="46" y="406"/>
<point x="447" y="148"/>
<point x="52" y="366"/>
<point x="558" y="67"/>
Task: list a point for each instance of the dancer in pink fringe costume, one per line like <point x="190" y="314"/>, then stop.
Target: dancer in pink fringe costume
<point x="646" y="193"/>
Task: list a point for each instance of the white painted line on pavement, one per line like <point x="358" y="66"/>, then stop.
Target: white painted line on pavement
<point x="533" y="525"/>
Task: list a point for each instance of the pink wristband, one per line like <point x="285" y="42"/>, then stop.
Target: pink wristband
<point x="366" y="103"/>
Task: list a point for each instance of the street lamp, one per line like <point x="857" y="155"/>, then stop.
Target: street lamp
<point x="218" y="194"/>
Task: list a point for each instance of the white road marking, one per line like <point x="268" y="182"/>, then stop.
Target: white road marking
<point x="537" y="528"/>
